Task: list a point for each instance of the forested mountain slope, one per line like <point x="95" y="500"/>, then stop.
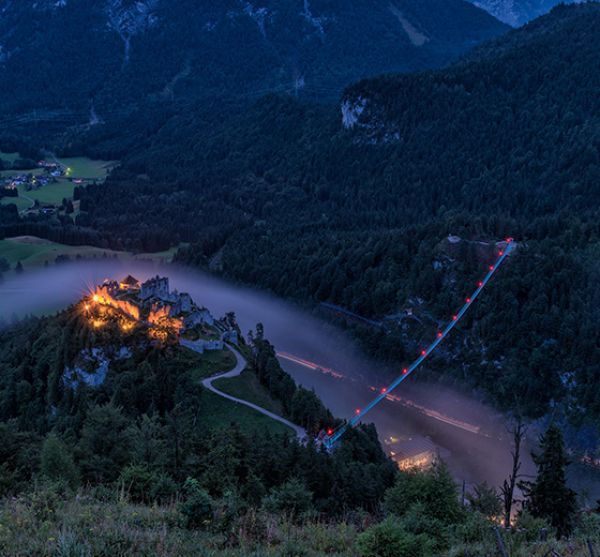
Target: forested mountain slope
<point x="88" y="61"/>
<point x="134" y="411"/>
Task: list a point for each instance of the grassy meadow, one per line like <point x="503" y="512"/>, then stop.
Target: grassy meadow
<point x="247" y="386"/>
<point x="33" y="252"/>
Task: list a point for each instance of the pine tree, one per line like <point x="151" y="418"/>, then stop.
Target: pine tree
<point x="548" y="496"/>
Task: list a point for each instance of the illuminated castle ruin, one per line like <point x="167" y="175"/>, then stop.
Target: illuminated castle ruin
<point x="151" y="303"/>
<point x="156" y="287"/>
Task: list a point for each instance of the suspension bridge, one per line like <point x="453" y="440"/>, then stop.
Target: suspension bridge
<point x="333" y="436"/>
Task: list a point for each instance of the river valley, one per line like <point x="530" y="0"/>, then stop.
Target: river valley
<point x="471" y="436"/>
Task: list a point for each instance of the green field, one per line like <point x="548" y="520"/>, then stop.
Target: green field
<point x="77" y="168"/>
<point x="219" y="412"/>
<point x="35" y="252"/>
<point x="214" y="361"/>
<point x="247" y="387"/>
<point x="52" y="194"/>
<point x="20" y="202"/>
<point x="9" y="173"/>
<point x="9" y="157"/>
<point x="86" y="168"/>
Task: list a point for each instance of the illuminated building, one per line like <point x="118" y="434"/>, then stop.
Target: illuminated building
<point x="414" y="452"/>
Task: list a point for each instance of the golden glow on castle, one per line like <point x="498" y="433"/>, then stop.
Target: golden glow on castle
<point x="151" y="306"/>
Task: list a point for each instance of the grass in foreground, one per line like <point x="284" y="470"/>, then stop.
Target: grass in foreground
<point x="42" y="524"/>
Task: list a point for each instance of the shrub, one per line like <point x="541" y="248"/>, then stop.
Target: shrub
<point x="56" y="462"/>
<point x="434" y="489"/>
<point x="137" y="482"/>
<point x="418" y="521"/>
<point x="163" y="488"/>
<point x="530" y="528"/>
<point x="197" y="506"/>
<point x="44" y="501"/>
<point x="390" y="539"/>
<point x="291" y="498"/>
<point x="476" y="528"/>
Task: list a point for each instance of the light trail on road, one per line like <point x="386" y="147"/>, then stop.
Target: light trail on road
<point x="310" y="365"/>
<point x="434" y="414"/>
<point x="407" y="403"/>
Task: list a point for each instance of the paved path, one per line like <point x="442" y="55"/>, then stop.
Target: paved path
<point x="239" y="367"/>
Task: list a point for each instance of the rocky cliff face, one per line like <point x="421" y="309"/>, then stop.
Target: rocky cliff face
<point x="518" y="12"/>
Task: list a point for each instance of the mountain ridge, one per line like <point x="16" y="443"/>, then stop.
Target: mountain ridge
<point x="519" y="12"/>
<point x="103" y="57"/>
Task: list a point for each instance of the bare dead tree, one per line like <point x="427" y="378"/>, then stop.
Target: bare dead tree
<point x="500" y="543"/>
<point x="508" y="486"/>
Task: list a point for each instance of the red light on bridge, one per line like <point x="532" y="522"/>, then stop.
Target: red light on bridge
<point x="423" y="352"/>
<point x="509" y="240"/>
<point x="500" y="252"/>
<point x="454" y="317"/>
<point x="330" y="432"/>
<point x="480" y="284"/>
<point x="384" y="390"/>
<point x="357" y="411"/>
<point x="468" y="300"/>
<point x="404" y="371"/>
<point x="440" y="334"/>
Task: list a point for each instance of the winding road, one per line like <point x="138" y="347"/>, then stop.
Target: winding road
<point x="237" y="370"/>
